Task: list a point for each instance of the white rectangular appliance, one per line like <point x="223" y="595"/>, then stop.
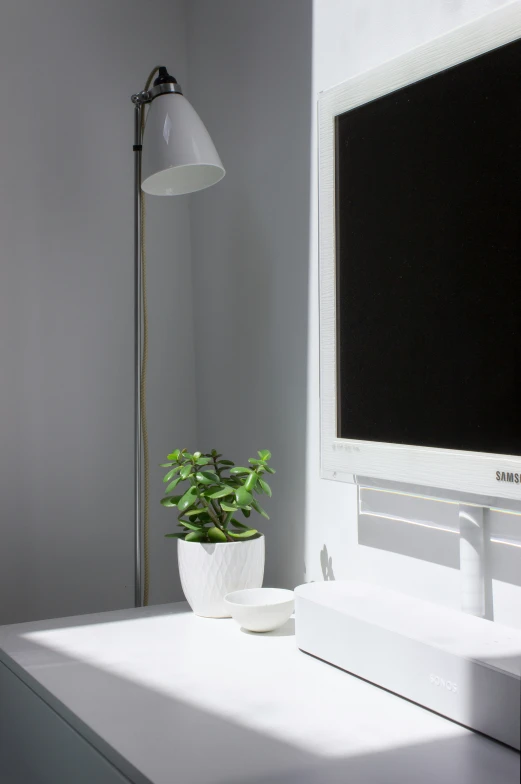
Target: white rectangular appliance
<point x="463" y="667"/>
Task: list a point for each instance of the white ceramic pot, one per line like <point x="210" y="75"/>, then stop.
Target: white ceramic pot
<point x="210" y="571"/>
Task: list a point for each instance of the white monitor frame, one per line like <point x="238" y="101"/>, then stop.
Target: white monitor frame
<point x="345" y="459"/>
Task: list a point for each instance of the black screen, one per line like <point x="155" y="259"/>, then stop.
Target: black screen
<point x="428" y="232"/>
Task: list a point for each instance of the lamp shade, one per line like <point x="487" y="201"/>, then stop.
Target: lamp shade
<point x="178" y="153"/>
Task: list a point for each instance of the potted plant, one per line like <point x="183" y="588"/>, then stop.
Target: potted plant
<point x="217" y="552"/>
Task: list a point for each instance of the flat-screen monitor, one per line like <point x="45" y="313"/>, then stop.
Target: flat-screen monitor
<point x="420" y="227"/>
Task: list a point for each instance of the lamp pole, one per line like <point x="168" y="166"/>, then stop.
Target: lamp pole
<point x="138" y="592"/>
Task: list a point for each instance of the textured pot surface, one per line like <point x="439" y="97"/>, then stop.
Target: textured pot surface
<point x="209" y="571"/>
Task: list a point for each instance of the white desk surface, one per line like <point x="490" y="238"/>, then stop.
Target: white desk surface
<point x="170" y="697"/>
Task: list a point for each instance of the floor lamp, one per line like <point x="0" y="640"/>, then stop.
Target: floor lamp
<point x="173" y="155"/>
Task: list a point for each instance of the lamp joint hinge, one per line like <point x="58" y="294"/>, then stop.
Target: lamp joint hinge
<point x="140" y="98"/>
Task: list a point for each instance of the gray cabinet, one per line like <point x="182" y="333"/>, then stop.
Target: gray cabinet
<point x="37" y="746"/>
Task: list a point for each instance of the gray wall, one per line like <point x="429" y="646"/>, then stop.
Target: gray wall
<point x="250" y="72"/>
<point x="67" y="70"/>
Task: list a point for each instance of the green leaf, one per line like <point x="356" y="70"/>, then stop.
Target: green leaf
<point x="244" y="534"/>
<point x="180" y="535"/>
<point x="254" y="461"/>
<point x="228" y="508"/>
<point x="191" y="526"/>
<point x="269" y="469"/>
<point x="201" y="461"/>
<point x="165" y="465"/>
<point x="188" y="499"/>
<point x="265" y="487"/>
<point x="174" y="456"/>
<point x="192" y="512"/>
<point x="250" y="482"/>
<point x="239" y="470"/>
<point x="195" y="536"/>
<point x="185" y="471"/>
<point x="243" y="497"/>
<point x="264" y="454"/>
<point x="173" y="484"/>
<point x="246" y="512"/>
<point x="237" y="524"/>
<point x="207" y="478"/>
<point x="258" y="508"/>
<point x="170" y="474"/>
<point x="172" y="500"/>
<point x="222" y="492"/>
<point x="226" y="462"/>
<point x="216" y="535"/>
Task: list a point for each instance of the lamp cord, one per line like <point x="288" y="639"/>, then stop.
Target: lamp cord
<point x="143" y="380"/>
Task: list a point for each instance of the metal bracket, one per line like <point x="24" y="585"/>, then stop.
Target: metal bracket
<point x="146" y="96"/>
<point x="140" y="98"/>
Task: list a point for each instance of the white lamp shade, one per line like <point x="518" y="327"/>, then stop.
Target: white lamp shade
<point x="178" y="153"/>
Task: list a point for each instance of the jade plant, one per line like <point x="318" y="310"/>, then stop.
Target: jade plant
<point x="217" y="491"/>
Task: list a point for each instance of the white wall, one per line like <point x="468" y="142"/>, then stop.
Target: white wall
<point x="67" y="70"/>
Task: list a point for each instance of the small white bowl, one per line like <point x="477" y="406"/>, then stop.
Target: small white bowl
<point x="260" y="609"/>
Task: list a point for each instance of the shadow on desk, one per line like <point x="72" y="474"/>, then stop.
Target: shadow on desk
<point x="150" y="735"/>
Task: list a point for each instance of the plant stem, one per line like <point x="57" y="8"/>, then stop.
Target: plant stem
<point x="216" y="508"/>
<point x="216" y="467"/>
<point x="210" y="510"/>
<point x="215" y="519"/>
